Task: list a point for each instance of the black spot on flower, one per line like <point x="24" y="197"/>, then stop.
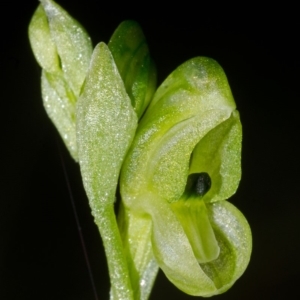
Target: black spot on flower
<point x="197" y="185"/>
<point x="202" y="184"/>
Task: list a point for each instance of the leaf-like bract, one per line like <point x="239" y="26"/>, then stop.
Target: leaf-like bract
<point x="106" y="124"/>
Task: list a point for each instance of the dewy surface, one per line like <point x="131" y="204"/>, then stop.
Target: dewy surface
<point x="63" y="49"/>
<point x="106" y="124"/>
<point x="72" y="43"/>
<point x="191" y="126"/>
<point x="201" y="242"/>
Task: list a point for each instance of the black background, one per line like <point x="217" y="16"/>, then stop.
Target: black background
<point x="41" y="256"/>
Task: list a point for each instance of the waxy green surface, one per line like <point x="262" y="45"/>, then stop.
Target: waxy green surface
<point x="154" y="144"/>
<point x="191" y="126"/>
<point x="63" y="49"/>
<point x="131" y="54"/>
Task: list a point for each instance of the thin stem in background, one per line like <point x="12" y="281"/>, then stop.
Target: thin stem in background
<point x="86" y="257"/>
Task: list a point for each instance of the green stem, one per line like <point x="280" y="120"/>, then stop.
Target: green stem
<point x="117" y="266"/>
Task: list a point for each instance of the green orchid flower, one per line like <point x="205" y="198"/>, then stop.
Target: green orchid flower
<point x="188" y="140"/>
<point x="175" y="154"/>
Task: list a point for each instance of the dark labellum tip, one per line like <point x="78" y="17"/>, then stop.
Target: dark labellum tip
<point x="198" y="184"/>
<point x="202" y="184"/>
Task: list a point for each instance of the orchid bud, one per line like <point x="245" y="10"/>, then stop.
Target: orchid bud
<point x="131" y="54"/>
<point x="63" y="49"/>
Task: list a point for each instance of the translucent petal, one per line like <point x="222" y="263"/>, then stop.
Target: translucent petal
<point x="234" y="237"/>
<point x="173" y="251"/>
<point x="219" y="155"/>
